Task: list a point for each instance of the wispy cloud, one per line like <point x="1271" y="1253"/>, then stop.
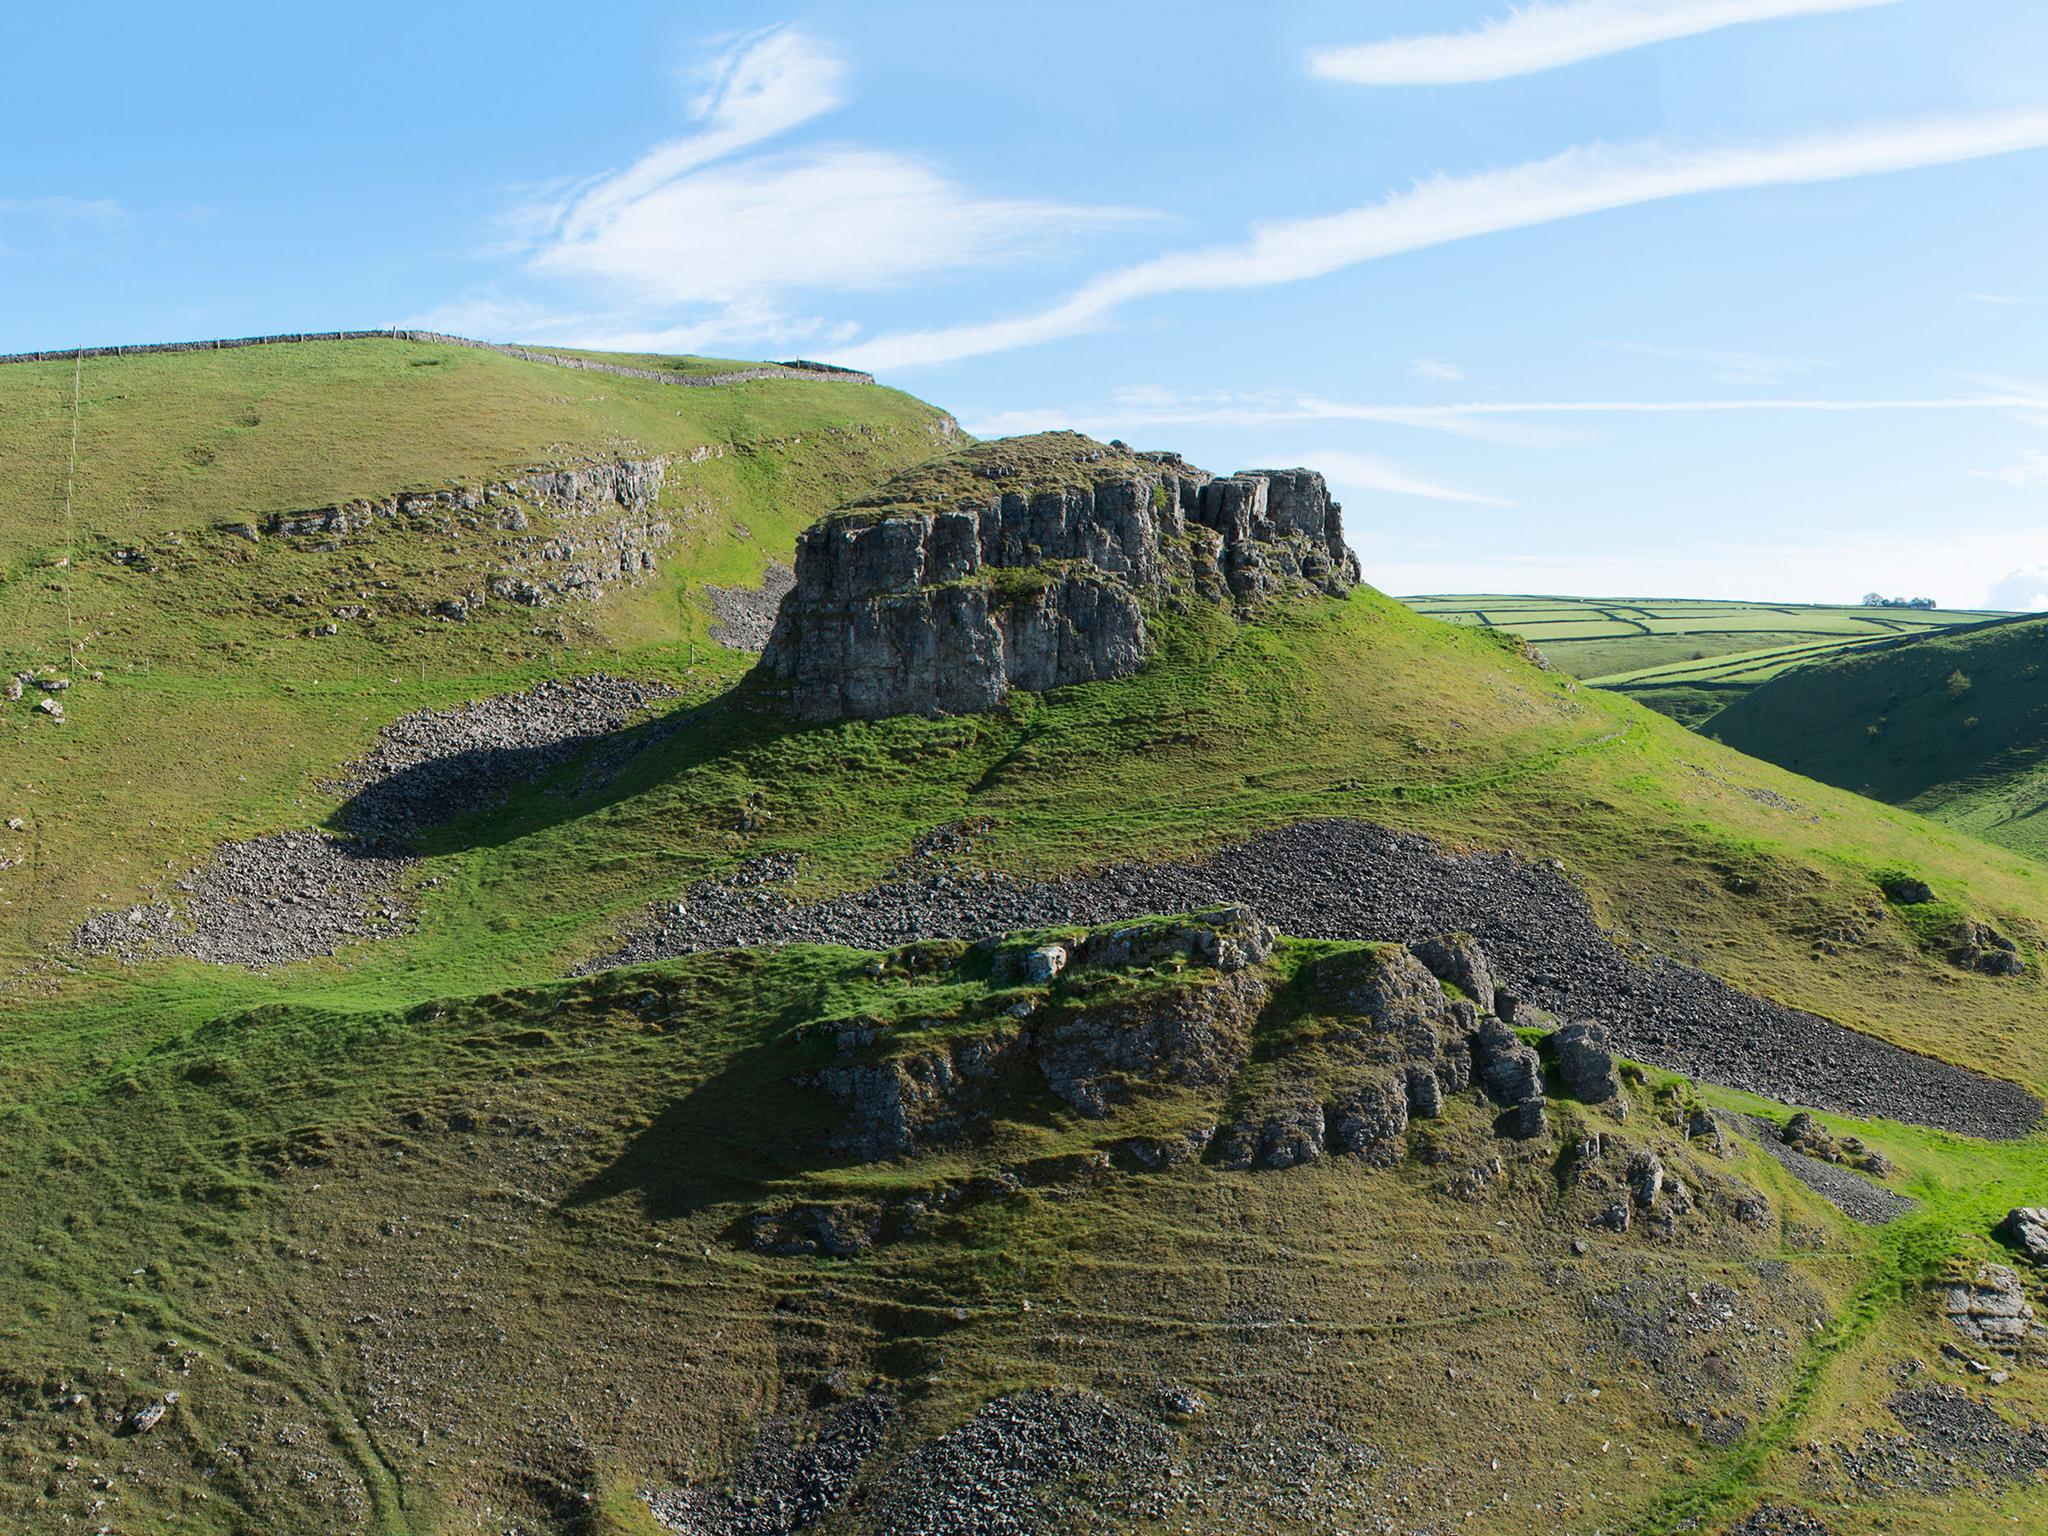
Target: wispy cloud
<point x="703" y="236"/>
<point x="1998" y="300"/>
<point x="1446" y="209"/>
<point x="2031" y="470"/>
<point x="1729" y="367"/>
<point x="1349" y="471"/>
<point x="1546" y="36"/>
<point x="1492" y="419"/>
<point x="1436" y="370"/>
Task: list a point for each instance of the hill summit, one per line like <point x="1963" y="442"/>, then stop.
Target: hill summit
<point x="1032" y="563"/>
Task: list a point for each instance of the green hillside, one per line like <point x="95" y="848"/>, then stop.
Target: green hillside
<point x="210" y="650"/>
<point x="1954" y="726"/>
<point x="1685" y="658"/>
<point x="457" y="1228"/>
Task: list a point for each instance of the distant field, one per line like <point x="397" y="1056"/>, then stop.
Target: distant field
<point x="1953" y="725"/>
<point x="1688" y="658"/>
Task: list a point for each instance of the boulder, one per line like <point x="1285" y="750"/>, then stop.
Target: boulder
<point x="2025" y="1228"/>
<point x="1045" y="962"/>
<point x="1508" y="1069"/>
<point x="1906" y="890"/>
<point x="1992" y="1309"/>
<point x="1645" y="1178"/>
<point x="1526" y="1120"/>
<point x="1155" y="1154"/>
<point x="1457" y="959"/>
<point x="1585" y="1062"/>
<point x="1979" y="947"/>
<point x="1425" y="1093"/>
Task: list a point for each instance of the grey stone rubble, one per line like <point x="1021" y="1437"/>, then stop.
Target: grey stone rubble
<point x="262" y="902"/>
<point x="902" y="610"/>
<point x="745" y="616"/>
<point x="299" y="895"/>
<point x="1952" y="1440"/>
<point x="790" y="1480"/>
<point x="1352" y="880"/>
<point x="1778" y="1520"/>
<point x="1035" y="1462"/>
<point x="1855" y="1196"/>
<point x="434" y="764"/>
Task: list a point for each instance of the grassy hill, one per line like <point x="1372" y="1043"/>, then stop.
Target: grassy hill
<point x="1687" y="659"/>
<point x="210" y="653"/>
<point x="1953" y="725"/>
<point x="429" y="1238"/>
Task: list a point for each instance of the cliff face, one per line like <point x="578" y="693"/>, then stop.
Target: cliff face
<point x="942" y="593"/>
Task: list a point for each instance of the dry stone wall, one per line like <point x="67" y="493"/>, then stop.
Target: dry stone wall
<point x="798" y="368"/>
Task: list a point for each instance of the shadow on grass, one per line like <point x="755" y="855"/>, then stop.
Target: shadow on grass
<point x="747" y="1125"/>
<point x="505" y="793"/>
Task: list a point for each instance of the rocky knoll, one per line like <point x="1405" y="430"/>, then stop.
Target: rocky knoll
<point x="1032" y="563"/>
<point x="1178" y="1042"/>
<point x="1350" y="880"/>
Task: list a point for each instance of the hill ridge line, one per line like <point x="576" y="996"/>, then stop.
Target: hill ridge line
<point x="796" y="368"/>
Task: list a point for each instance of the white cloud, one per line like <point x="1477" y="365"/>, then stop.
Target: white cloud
<point x="1578" y="182"/>
<point x="2022" y="591"/>
<point x="842" y="219"/>
<point x="1546" y="36"/>
<point x="2031" y="470"/>
<point x="746" y="324"/>
<point x="1436" y="370"/>
<point x="689" y="224"/>
<point x="1729" y="367"/>
<point x="769" y="83"/>
<point x="1134" y="410"/>
<point x="1999" y="300"/>
<point x="1490" y="419"/>
<point x="1348" y="471"/>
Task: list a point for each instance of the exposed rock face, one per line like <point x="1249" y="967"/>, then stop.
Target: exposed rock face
<point x="905" y="608"/>
<point x="2026" y="1228"/>
<point x="1585" y="1062"/>
<point x="608" y="528"/>
<point x="905" y="1101"/>
<point x="1980" y="947"/>
<point x="1456" y="958"/>
<point x="1993" y="1309"/>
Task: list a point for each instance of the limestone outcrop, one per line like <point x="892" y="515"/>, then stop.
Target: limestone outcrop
<point x="1032" y="563"/>
<point x="605" y="516"/>
<point x="1189" y="1046"/>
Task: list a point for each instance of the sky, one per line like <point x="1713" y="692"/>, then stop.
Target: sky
<point x="1686" y="298"/>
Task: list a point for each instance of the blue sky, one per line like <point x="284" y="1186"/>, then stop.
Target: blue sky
<point x="1736" y="298"/>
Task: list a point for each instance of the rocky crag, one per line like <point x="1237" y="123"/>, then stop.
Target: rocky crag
<point x="1181" y="1043"/>
<point x="1350" y="880"/>
<point x="1032" y="563"/>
